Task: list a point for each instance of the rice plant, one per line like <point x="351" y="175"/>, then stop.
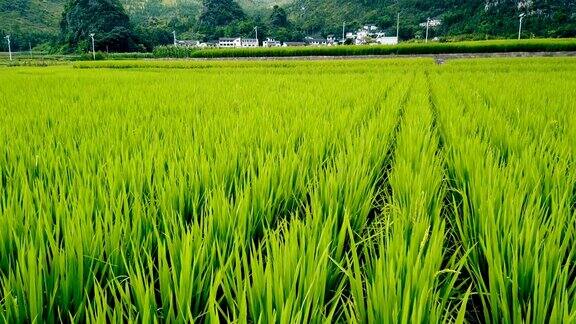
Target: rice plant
<point x="363" y="191"/>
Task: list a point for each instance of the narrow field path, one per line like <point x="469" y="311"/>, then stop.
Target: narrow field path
<point x="439" y="58"/>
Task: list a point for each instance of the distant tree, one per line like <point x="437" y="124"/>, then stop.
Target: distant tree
<point x="20" y="6"/>
<point x="105" y="18"/>
<point x="219" y="13"/>
<point x="151" y="35"/>
<point x="279" y="18"/>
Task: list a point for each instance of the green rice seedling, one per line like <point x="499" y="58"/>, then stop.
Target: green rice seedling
<point x="285" y="281"/>
<point x="516" y="213"/>
<point x="289" y="191"/>
<point x="400" y="278"/>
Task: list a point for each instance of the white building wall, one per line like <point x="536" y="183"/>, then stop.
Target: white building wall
<point x="387" y="40"/>
<point x="249" y="43"/>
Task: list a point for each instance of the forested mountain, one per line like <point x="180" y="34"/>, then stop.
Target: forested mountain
<point x="37" y="21"/>
<point x="470" y="18"/>
<point x="105" y="20"/>
<point x="30" y="21"/>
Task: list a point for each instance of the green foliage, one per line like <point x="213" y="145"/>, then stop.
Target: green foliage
<point x="279" y="18"/>
<point x="30" y="22"/>
<point x="105" y="18"/>
<point x="173" y="52"/>
<point x="281" y="28"/>
<point x="218" y="13"/>
<point x="35" y="22"/>
<point x="475" y="19"/>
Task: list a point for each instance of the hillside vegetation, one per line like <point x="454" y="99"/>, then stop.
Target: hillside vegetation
<point x="472" y="18"/>
<point x="37" y="21"/>
<point x="30" y="21"/>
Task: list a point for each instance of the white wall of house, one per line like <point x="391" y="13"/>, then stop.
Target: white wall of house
<point x="269" y="42"/>
<point x="227" y="42"/>
<point x="237" y="42"/>
<point x="387" y="40"/>
<point x="248" y="42"/>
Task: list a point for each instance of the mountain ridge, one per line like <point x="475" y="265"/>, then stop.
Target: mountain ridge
<point x="37" y="21"/>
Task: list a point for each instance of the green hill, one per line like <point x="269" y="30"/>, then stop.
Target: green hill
<point x="37" y="21"/>
<point x="469" y="19"/>
<point x="30" y="21"/>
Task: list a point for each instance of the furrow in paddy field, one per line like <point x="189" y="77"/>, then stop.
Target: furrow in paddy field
<point x="451" y="197"/>
<point x="397" y="275"/>
<point x="340" y="199"/>
<point x="261" y="255"/>
<point x="384" y="189"/>
<point x="453" y="202"/>
<point x="495" y="233"/>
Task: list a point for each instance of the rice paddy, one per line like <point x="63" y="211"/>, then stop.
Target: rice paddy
<point x="361" y="191"/>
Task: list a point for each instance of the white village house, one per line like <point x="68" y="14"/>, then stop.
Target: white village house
<point x="237" y="42"/>
<point x="370" y="34"/>
<point x="229" y="42"/>
<point x="384" y="40"/>
<point x="270" y="42"/>
<point x="187" y="43"/>
<point x="316" y="41"/>
<point x="249" y="42"/>
<point x="331" y="40"/>
<point x="431" y="23"/>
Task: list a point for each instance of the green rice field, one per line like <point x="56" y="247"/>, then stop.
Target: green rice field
<point x="337" y="191"/>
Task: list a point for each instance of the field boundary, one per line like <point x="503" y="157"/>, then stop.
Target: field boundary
<point x="438" y="57"/>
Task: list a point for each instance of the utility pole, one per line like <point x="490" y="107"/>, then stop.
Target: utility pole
<point x="343" y="32"/>
<point x="398" y="29"/>
<point x="522" y="15"/>
<point x="93" y="47"/>
<point x="9" y="47"/>
<point x="256" y="30"/>
<point x="427" y="28"/>
<point x="174" y="33"/>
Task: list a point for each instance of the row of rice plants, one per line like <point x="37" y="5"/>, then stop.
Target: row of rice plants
<point x="489" y="46"/>
<point x="296" y="276"/>
<point x="405" y="273"/>
<point x="289" y="66"/>
<point x="514" y="204"/>
<point x="132" y="205"/>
